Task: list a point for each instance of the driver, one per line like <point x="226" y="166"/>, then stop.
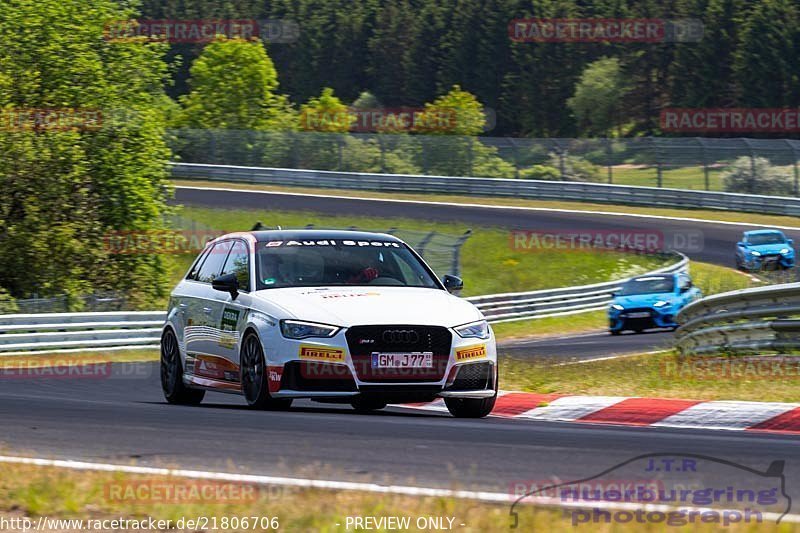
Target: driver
<point x="365" y="275"/>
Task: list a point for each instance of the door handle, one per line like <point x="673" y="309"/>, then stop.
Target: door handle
<point x="207" y="310"/>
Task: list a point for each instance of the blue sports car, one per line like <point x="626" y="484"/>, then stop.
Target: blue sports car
<point x="764" y="249"/>
<point x="650" y="302"/>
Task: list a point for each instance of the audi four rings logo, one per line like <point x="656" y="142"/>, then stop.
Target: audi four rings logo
<point x="400" y="336"/>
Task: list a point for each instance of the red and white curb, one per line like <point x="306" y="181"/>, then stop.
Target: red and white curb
<point x="656" y="412"/>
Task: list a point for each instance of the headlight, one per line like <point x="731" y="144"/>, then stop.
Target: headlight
<point x="617" y="307"/>
<point x="784" y="251"/>
<point x="296" y="329"/>
<point x="755" y="253"/>
<point x="661" y="303"/>
<point x="474" y="330"/>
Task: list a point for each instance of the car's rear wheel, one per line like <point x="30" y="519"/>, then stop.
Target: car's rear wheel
<point x="175" y="391"/>
<point x="255" y="378"/>
<point x="366" y="404"/>
<point x="471" y="407"/>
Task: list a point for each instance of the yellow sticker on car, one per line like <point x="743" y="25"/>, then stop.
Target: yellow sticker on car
<point x="473" y="352"/>
<point x="321" y="353"/>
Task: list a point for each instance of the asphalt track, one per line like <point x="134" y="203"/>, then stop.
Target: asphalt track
<point x="587" y="346"/>
<point x="715" y="246"/>
<point x="121" y="417"/>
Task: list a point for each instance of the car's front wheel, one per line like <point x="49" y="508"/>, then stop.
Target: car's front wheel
<point x="471" y="407"/>
<point x="175" y="391"/>
<point x="254" y="377"/>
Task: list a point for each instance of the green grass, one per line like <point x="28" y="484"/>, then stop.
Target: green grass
<point x="691" y="177"/>
<point x="489" y="263"/>
<point x="661" y="375"/>
<point x="31" y="491"/>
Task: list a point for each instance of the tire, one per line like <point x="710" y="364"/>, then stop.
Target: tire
<point x="615" y="331"/>
<point x="472" y="407"/>
<point x="175" y="391"/>
<point x="366" y="404"/>
<point x="254" y="377"/>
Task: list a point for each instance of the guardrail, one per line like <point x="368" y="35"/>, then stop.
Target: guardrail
<point x="31" y="333"/>
<point x="743" y="321"/>
<point x="516" y="188"/>
<point x="24" y="333"/>
<point x="554" y="302"/>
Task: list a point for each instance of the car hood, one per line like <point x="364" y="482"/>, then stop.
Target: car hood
<point x="643" y="300"/>
<point x="345" y="306"/>
<point x="769" y="248"/>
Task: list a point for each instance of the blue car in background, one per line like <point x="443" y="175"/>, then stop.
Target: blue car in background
<point x="764" y="249"/>
<point x="650" y="302"/>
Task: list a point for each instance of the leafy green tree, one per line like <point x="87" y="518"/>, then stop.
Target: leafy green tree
<point x="599" y="96"/>
<point x="326" y="113"/>
<point x="233" y="86"/>
<point x="68" y="188"/>
<point x="455" y="113"/>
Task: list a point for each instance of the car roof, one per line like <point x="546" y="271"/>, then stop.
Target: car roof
<point x="762" y="231"/>
<point x="321" y="234"/>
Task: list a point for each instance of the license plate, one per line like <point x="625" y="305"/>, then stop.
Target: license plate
<point x="402" y="360"/>
<point x="643" y="314"/>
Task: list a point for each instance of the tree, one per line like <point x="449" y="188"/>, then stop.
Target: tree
<point x="66" y="188"/>
<point x="455" y="113"/>
<point x="233" y="86"/>
<point x="326" y="113"/>
<point x="757" y="176"/>
<point x="598" y="97"/>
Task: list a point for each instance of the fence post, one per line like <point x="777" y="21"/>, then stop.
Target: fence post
<point x="794" y="166"/>
<point x="457" y="252"/>
<point x="704" y="155"/>
<point x="424" y="242"/>
<point x="609" y="160"/>
<point x="562" y="163"/>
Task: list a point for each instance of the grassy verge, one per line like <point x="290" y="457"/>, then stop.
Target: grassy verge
<point x="55" y="360"/>
<point x="663" y="375"/>
<point x="750" y="219"/>
<point x="28" y="491"/>
<point x="489" y="263"/>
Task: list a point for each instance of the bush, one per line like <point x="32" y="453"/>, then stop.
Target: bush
<point x="757" y="177"/>
<point x="7" y="303"/>
<point x="540" y="172"/>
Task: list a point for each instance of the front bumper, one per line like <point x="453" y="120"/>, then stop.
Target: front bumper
<point x="642" y="318"/>
<point x="342" y="367"/>
<point x="769" y="261"/>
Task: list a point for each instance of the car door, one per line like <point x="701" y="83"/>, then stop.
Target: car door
<point x="204" y="309"/>
<point x="233" y="314"/>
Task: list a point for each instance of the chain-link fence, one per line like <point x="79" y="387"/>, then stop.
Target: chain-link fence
<point x="684" y="162"/>
<point x="441" y="251"/>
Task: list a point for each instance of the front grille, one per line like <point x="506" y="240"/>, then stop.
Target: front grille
<point x="633" y="310"/>
<point x="475" y="376"/>
<point x="362" y="341"/>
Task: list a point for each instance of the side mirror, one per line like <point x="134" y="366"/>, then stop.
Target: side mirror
<point x="452" y="283"/>
<point x="740" y="243"/>
<point x="227" y="283"/>
<point x="790" y="242"/>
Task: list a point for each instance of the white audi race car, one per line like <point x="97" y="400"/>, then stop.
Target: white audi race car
<point x="335" y="316"/>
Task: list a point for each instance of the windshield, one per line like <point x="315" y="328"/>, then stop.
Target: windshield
<point x="766" y="238"/>
<point x="329" y="262"/>
<point x="648" y="286"/>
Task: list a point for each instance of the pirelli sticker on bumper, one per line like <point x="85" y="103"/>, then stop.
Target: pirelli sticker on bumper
<point x="322" y="353"/>
<point x="473" y="352"/>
